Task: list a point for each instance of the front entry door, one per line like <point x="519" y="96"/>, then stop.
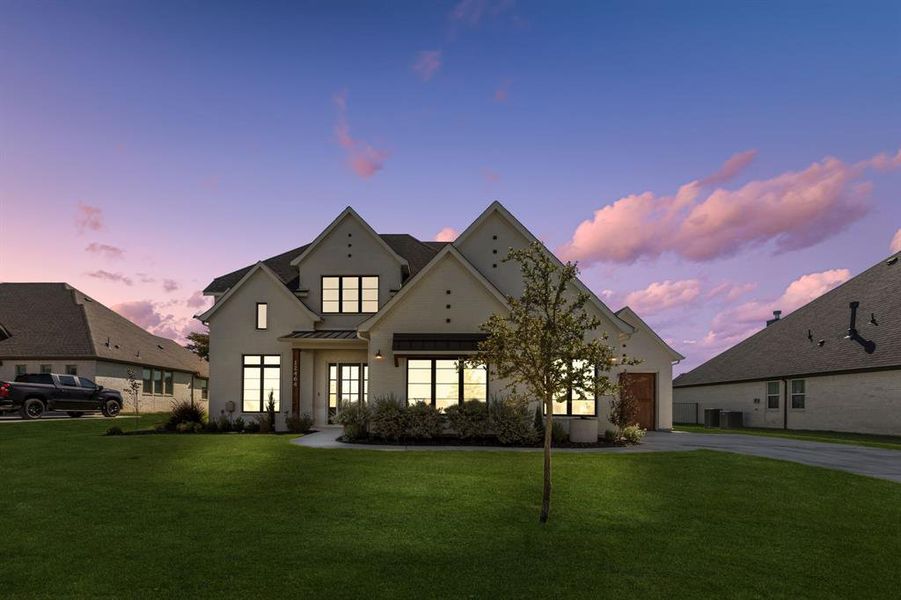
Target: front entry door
<point x="346" y="384"/>
<point x="643" y="387"/>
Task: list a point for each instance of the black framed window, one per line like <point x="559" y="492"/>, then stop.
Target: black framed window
<point x="350" y="294"/>
<point x="444" y="382"/>
<point x="146" y="382"/>
<point x="799" y="393"/>
<point x="262" y="315"/>
<point x="204" y="386"/>
<point x="71" y="369"/>
<point x="261" y="376"/>
<point x="347" y="382"/>
<point x="572" y="404"/>
<point x="772" y="394"/>
<point x="156" y="382"/>
<point x="46" y="368"/>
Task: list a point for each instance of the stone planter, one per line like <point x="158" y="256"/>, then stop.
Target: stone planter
<point x="583" y="431"/>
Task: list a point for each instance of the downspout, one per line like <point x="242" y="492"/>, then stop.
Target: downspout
<point x="784" y="403"/>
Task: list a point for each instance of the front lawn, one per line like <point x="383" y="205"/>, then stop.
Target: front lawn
<point x="836" y="437"/>
<point x="250" y="516"/>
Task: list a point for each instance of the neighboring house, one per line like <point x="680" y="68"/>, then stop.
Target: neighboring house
<point x="54" y="328"/>
<point x="817" y="368"/>
<point x="356" y="314"/>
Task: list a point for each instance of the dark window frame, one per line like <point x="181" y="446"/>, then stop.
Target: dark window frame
<point x="72" y="370"/>
<point x="362" y="388"/>
<point x="793" y="394"/>
<point x="257" y="316"/>
<point x="262" y="366"/>
<point x="433" y="383"/>
<point x="570" y="398"/>
<point x="341" y="310"/>
<point x="777" y="395"/>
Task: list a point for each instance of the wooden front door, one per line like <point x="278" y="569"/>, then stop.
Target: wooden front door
<point x="643" y="386"/>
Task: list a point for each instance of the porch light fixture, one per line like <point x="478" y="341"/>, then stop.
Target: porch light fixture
<point x="378" y="354"/>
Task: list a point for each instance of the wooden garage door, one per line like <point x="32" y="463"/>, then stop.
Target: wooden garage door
<point x="643" y="387"/>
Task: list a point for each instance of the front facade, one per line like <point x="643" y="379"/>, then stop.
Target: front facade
<point x="55" y="328"/>
<point x="355" y="315"/>
<point x="832" y="365"/>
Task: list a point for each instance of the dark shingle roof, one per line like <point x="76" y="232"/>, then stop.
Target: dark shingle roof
<point x="783" y="349"/>
<point x="324" y="334"/>
<point x="56" y="320"/>
<point x="416" y="253"/>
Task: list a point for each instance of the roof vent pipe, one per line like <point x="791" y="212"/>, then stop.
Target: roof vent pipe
<point x="777" y="314"/>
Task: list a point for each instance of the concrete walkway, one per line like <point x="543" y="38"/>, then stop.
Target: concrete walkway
<point x="873" y="462"/>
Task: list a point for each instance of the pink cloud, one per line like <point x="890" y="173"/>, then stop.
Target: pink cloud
<point x="365" y="160"/>
<point x="737" y="323"/>
<point x="448" y="234"/>
<point x="502" y="93"/>
<point x="198" y="300"/>
<point x="895" y="246"/>
<point x="794" y="210"/>
<point x="112" y="277"/>
<point x="731" y="168"/>
<point x="427" y="64"/>
<point x="729" y="291"/>
<point x="472" y="12"/>
<point x="663" y="295"/>
<point x="151" y="316"/>
<point x="490" y="176"/>
<point x="88" y="218"/>
<point x="170" y="285"/>
<point x="105" y="250"/>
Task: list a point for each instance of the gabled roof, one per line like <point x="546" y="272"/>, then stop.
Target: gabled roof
<point x="54" y="320"/>
<point x="634" y="315"/>
<point x="348" y="213"/>
<point x="416" y="253"/>
<point x="268" y="272"/>
<point x="448" y="251"/>
<point x="784" y="349"/>
<point x="497" y="207"/>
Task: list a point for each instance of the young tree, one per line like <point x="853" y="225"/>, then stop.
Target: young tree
<point x="199" y="344"/>
<point x="545" y="343"/>
<point x="133" y="389"/>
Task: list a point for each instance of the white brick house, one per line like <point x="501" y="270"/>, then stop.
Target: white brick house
<point x="356" y="314"/>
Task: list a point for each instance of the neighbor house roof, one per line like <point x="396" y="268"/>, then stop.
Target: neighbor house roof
<point x="811" y="340"/>
<point x="416" y="253"/>
<point x="54" y="320"/>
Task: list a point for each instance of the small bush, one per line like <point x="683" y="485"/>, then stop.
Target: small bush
<point x="211" y="427"/>
<point x="355" y="419"/>
<point x="238" y="424"/>
<point x="424" y="421"/>
<point x="184" y="412"/>
<point x="610" y="436"/>
<point x="199" y="427"/>
<point x="469" y="420"/>
<point x="270" y="415"/>
<point x="114" y="430"/>
<point x="389" y="418"/>
<point x="511" y="421"/>
<point x="299" y="423"/>
<point x="264" y="425"/>
<point x="559" y="435"/>
<point x="224" y="424"/>
<point x="185" y="427"/>
<point x="252" y="426"/>
<point x="634" y="434"/>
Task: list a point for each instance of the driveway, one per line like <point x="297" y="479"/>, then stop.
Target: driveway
<point x="873" y="462"/>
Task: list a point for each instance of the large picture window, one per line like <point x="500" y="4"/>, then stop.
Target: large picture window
<point x="347" y="382"/>
<point x="262" y="376"/>
<point x="352" y="294"/>
<point x="444" y="382"/>
<point x="575" y="404"/>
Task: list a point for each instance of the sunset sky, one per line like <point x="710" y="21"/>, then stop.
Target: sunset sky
<point x="704" y="165"/>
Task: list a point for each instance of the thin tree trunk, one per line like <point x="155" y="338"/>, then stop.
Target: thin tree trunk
<point x="548" y="430"/>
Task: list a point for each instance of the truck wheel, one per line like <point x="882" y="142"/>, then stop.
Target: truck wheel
<point x="33" y="409"/>
<point x="74" y="414"/>
<point x="111" y="408"/>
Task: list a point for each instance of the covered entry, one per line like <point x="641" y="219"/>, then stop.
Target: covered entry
<point x="643" y="387"/>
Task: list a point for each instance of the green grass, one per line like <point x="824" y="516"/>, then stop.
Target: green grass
<point x="251" y="516"/>
<point x="836" y="437"/>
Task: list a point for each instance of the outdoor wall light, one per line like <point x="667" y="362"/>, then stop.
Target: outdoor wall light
<point x="378" y="354"/>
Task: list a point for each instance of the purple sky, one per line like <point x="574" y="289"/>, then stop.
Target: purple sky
<point x="705" y="165"/>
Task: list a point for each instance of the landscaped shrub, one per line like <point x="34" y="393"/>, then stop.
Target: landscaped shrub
<point x="270" y="415"/>
<point x="559" y="434"/>
<point x="252" y="426"/>
<point x="355" y="419"/>
<point x="186" y="427"/>
<point x="264" y="425"/>
<point x="225" y="425"/>
<point x="634" y="434"/>
<point x="610" y="436"/>
<point x="299" y="423"/>
<point x="623" y="409"/>
<point x="238" y="424"/>
<point x="424" y="422"/>
<point x="211" y="427"/>
<point x="184" y="412"/>
<point x="469" y="420"/>
<point x="511" y="421"/>
<point x="389" y="418"/>
<point x="114" y="430"/>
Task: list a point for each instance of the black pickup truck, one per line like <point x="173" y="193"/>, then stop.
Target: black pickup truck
<point x="32" y="395"/>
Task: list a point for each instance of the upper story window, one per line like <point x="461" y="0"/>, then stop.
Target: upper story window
<point x="350" y="294"/>
<point x="262" y="315"/>
<point x="772" y="394"/>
